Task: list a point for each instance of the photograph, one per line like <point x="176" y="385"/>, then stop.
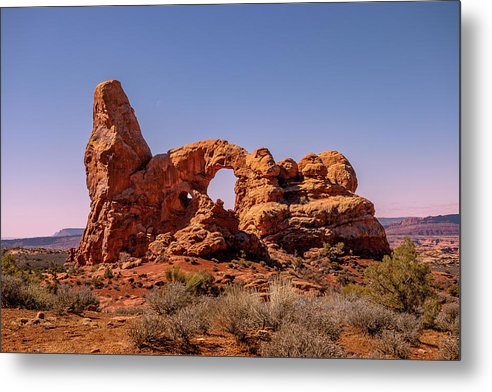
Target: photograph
<point x="232" y="180"/>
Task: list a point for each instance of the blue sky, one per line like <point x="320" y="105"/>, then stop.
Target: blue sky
<point x="375" y="81"/>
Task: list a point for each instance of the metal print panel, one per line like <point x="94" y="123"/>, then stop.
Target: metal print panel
<point x="270" y="180"/>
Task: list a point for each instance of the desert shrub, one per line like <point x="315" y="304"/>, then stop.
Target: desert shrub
<point x="239" y="311"/>
<point x="181" y="327"/>
<point x="448" y="318"/>
<point x="195" y="282"/>
<point x="400" y="282"/>
<point x="169" y="299"/>
<point x="293" y="340"/>
<point x="16" y="292"/>
<point x="72" y="300"/>
<point x="408" y="326"/>
<point x="354" y="290"/>
<point x="108" y="273"/>
<point x="175" y="274"/>
<point x="430" y="311"/>
<point x="280" y="304"/>
<point x="393" y="343"/>
<point x="369" y="317"/>
<point x="146" y="330"/>
<point x="317" y="315"/>
<point x="450" y="348"/>
<point x="298" y="262"/>
<point x="126" y="311"/>
<point x="96" y="282"/>
<point x="203" y="311"/>
<point x="335" y="252"/>
<point x="454" y="290"/>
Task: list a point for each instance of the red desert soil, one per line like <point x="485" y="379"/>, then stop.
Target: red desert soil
<point x="105" y="333"/>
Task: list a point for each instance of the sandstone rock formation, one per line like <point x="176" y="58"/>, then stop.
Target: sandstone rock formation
<point x="147" y="206"/>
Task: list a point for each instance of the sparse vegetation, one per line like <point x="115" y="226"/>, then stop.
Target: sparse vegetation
<point x="188" y="313"/>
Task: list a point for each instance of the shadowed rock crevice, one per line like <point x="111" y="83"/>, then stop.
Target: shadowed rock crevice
<point x="147" y="206"/>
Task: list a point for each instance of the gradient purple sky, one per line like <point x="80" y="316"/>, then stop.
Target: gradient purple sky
<point x="376" y="81"/>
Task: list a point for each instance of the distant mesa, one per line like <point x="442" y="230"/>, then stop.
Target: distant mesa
<point x="68" y="232"/>
<point x="60" y="243"/>
<point x="61" y="240"/>
<point x="439" y="225"/>
<point x="148" y="206"/>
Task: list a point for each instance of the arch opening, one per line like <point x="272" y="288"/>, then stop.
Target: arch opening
<point x="185" y="198"/>
<point x="222" y="187"/>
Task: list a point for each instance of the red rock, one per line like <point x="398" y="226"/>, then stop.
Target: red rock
<point x="143" y="205"/>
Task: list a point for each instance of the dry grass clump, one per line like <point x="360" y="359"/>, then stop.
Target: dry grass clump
<point x="239" y="312"/>
<point x="409" y="326"/>
<point x="293" y="340"/>
<point x="393" y="343"/>
<point x="146" y="330"/>
<point x="450" y="348"/>
<point x="280" y="304"/>
<point x="175" y="317"/>
<point x="448" y="318"/>
<point x="169" y="299"/>
<point x="17" y="292"/>
<point x="317" y="315"/>
<point x="67" y="299"/>
<point x="370" y="318"/>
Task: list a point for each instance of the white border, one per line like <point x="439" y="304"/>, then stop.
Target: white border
<point x="473" y="373"/>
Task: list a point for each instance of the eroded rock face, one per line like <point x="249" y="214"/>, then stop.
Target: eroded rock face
<point x="149" y="206"/>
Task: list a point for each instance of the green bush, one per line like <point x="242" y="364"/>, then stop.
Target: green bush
<point x="108" y="274"/>
<point x="195" y="282"/>
<point x="431" y="309"/>
<point x="400" y="282"/>
<point x="335" y="252"/>
<point x="454" y="290"/>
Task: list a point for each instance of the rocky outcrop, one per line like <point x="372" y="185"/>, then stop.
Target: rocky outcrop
<point x="149" y="206"/>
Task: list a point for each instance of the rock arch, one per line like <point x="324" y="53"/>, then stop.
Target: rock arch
<point x="148" y="205"/>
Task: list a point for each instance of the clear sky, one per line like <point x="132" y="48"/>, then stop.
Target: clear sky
<point x="375" y="81"/>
